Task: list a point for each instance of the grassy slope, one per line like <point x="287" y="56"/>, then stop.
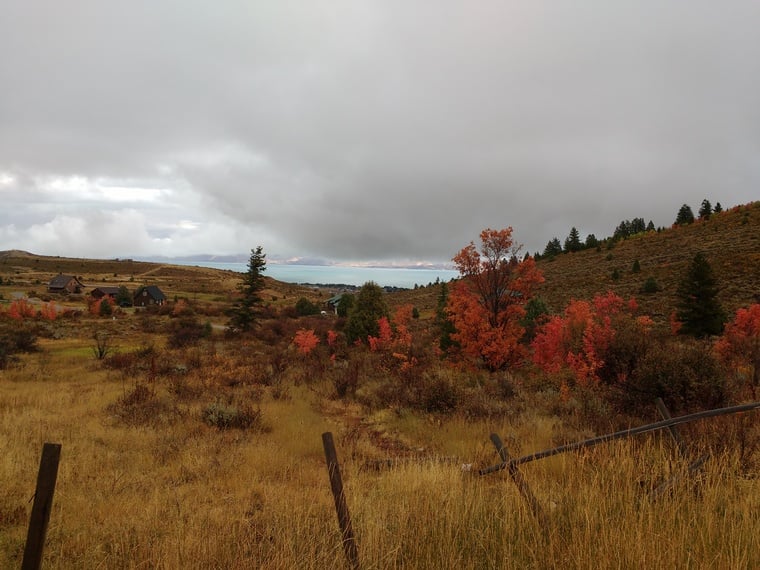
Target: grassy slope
<point x="730" y="240"/>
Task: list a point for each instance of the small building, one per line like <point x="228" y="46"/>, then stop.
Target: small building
<point x="65" y="284"/>
<point x="100" y="292"/>
<point x="149" y="295"/>
<point x="333" y="302"/>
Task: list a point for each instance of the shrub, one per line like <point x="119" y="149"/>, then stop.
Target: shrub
<point x="223" y="415"/>
<point x="435" y="392"/>
<point x="685" y="374"/>
<point x="187" y="331"/>
<point x="650" y="286"/>
<point x="304" y="307"/>
<point x="142" y="406"/>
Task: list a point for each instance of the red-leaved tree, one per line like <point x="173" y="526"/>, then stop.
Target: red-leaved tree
<point x="21" y="309"/>
<point x="740" y="345"/>
<point x="305" y="341"/>
<point x="598" y="341"/>
<point x="486" y="305"/>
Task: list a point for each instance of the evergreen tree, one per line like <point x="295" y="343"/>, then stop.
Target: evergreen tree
<point x="245" y="311"/>
<point x="345" y="304"/>
<point x="705" y="210"/>
<point x="554" y="247"/>
<point x="622" y="231"/>
<point x="363" y="318"/>
<point x="446" y="328"/>
<point x="536" y="313"/>
<point x="573" y="241"/>
<point x="718" y="208"/>
<point x="123" y="297"/>
<point x="305" y="307"/>
<point x="685" y="216"/>
<point x="638" y="226"/>
<point x="699" y="310"/>
<point x="591" y="241"/>
<point x="650" y="226"/>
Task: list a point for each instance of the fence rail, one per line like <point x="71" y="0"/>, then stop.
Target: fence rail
<point x="619" y="435"/>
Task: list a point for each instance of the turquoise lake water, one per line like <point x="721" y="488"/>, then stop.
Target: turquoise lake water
<point x="346" y="275"/>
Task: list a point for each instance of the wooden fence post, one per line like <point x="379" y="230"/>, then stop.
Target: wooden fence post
<point x="341" y="508"/>
<point x="693" y="467"/>
<point x="674" y="433"/>
<point x="520" y="483"/>
<point x="43" y="504"/>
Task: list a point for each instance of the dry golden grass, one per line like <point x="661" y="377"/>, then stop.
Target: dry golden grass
<point x="173" y="492"/>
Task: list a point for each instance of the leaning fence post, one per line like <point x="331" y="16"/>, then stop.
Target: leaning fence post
<point x="519" y="481"/>
<point x="693" y="467"/>
<point x="341" y="508"/>
<point x="674" y="433"/>
<point x="43" y="504"/>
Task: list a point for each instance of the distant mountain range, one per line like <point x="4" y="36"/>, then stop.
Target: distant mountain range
<point x="275" y="260"/>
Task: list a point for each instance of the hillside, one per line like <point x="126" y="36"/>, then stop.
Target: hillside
<point x="730" y="240"/>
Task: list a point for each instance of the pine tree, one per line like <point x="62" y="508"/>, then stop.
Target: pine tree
<point x="554" y="247"/>
<point x="718" y="208"/>
<point x="705" y="210"/>
<point x="699" y="310"/>
<point x="573" y="241"/>
<point x="685" y="216"/>
<point x="445" y="326"/>
<point x="245" y="311"/>
<point x="368" y="308"/>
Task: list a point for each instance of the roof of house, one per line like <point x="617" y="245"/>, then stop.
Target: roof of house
<point x="153" y="291"/>
<point x="334" y="300"/>
<point x="60" y="281"/>
<point x="107" y="290"/>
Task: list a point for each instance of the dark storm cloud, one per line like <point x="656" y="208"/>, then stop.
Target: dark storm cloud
<point x="368" y="130"/>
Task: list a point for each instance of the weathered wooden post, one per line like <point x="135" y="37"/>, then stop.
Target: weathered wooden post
<point x="520" y="483"/>
<point x="674" y="433"/>
<point x="43" y="504"/>
<point x="693" y="467"/>
<point x="341" y="508"/>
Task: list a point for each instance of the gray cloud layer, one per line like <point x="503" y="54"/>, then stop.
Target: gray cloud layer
<point x="358" y="130"/>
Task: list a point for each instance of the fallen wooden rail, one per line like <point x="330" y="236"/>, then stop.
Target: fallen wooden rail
<point x="619" y="435"/>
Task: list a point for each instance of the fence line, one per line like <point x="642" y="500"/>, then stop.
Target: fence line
<point x="620" y="434"/>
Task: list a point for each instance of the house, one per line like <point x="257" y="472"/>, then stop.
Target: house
<point x="333" y="302"/>
<point x="119" y="295"/>
<point x="65" y="284"/>
<point x="149" y="295"/>
<point x="100" y="292"/>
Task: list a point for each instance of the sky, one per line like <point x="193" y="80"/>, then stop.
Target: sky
<point x="367" y="130"/>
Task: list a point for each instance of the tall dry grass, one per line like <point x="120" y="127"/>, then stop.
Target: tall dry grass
<point x="171" y="491"/>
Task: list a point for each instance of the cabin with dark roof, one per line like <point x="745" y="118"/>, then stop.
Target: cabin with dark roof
<point x="149" y="295"/>
<point x="65" y="284"/>
<point x="100" y="292"/>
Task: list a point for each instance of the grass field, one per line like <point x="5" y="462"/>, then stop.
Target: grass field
<point x="149" y="484"/>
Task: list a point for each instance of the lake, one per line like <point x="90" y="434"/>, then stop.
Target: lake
<point x="340" y="274"/>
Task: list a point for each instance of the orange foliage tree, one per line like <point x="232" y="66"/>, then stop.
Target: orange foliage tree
<point x="598" y="341"/>
<point x="487" y="305"/>
<point x="305" y="341"/>
<point x="740" y="344"/>
<point x="48" y="311"/>
<point x="395" y="337"/>
<point x="21" y="309"/>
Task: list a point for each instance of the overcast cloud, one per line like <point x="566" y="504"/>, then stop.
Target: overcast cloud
<point x="363" y="130"/>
